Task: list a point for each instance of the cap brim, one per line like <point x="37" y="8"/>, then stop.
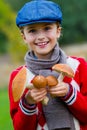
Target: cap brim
<point x="40" y="21"/>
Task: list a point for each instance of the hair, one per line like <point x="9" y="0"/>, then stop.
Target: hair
<point x="21" y="29"/>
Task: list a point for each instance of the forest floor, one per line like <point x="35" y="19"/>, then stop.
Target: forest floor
<point x="6" y="66"/>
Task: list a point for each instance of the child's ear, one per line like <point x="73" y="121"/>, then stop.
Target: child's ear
<point x="23" y="36"/>
<point x="58" y="32"/>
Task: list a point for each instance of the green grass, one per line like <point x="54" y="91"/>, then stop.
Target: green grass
<point x="5" y="119"/>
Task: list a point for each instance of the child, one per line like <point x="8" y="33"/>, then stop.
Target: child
<point x="40" y="25"/>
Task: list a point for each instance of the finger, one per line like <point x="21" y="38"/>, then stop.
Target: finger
<point x="37" y="95"/>
<point x="59" y="91"/>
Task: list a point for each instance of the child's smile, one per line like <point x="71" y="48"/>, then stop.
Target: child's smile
<point x="41" y="44"/>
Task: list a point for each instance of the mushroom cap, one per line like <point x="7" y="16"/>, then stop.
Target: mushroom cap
<point x="51" y="81"/>
<point x="65" y="69"/>
<point x="39" y="81"/>
<point x="18" y="84"/>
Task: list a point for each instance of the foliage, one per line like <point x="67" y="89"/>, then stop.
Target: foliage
<point x="10" y="33"/>
<point x="16" y="4"/>
<point x="74" y="21"/>
<point x="3" y="39"/>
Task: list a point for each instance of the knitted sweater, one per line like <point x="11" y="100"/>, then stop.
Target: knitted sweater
<point x="27" y="117"/>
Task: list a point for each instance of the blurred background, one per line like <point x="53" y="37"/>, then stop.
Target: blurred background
<point x="13" y="49"/>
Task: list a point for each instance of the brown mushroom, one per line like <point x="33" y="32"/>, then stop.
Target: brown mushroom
<point x="64" y="70"/>
<point x="51" y="81"/>
<point x="20" y="82"/>
<point x="40" y="81"/>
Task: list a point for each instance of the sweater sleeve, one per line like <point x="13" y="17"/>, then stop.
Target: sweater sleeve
<point x="23" y="117"/>
<point x="76" y="100"/>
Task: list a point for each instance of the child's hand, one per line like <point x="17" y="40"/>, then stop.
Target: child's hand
<point x="60" y="90"/>
<point x="35" y="95"/>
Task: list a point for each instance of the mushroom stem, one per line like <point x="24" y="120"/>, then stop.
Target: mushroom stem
<point x="45" y="100"/>
<point x="60" y="78"/>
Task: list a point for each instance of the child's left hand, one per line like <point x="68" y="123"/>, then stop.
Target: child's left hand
<point x="60" y="90"/>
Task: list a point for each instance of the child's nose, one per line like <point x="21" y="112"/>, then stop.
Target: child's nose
<point x="40" y="35"/>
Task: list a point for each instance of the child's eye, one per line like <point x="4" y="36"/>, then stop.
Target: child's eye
<point x="32" y="31"/>
<point x="47" y="28"/>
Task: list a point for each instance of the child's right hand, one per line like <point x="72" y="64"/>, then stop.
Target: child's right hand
<point x="35" y="95"/>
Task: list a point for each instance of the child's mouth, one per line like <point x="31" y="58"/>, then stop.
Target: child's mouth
<point x="41" y="44"/>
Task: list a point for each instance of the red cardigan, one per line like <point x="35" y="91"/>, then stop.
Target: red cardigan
<point x="27" y="117"/>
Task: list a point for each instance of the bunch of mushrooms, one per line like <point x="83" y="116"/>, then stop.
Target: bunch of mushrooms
<point x="25" y="79"/>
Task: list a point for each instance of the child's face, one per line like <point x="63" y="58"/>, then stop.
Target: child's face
<point x="41" y="38"/>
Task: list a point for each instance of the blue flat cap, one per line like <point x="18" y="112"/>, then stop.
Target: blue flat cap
<point x="38" y="11"/>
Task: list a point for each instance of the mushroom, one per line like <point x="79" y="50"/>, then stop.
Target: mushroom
<point x="21" y="81"/>
<point x="64" y="70"/>
<point x="40" y="81"/>
<point x="51" y="81"/>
